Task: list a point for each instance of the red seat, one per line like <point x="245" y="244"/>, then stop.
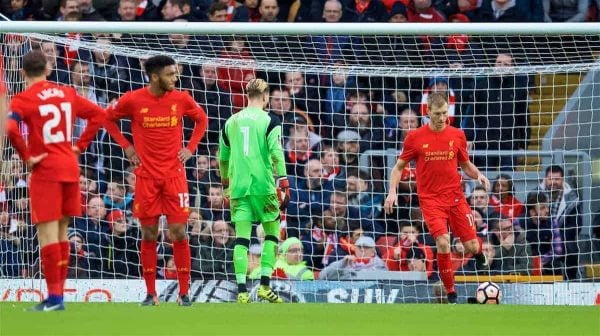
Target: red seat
<point x="537" y="265"/>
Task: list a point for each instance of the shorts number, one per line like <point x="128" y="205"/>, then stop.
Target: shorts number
<point x="246" y="134"/>
<point x="56" y="136"/>
<point x="471" y="220"/>
<point x="184" y="200"/>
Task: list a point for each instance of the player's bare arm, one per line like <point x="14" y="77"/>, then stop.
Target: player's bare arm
<point x="392" y="197"/>
<point x="473" y="172"/>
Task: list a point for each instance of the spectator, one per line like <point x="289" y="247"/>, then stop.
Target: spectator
<point x="565" y="215"/>
<point x="78" y="262"/>
<point x="254" y="253"/>
<point x="349" y="148"/>
<point x="269" y="10"/>
<point x="481" y="221"/>
<point x="367" y="124"/>
<point x="201" y="178"/>
<point x="216" y="206"/>
<point x="57" y="68"/>
<point x="331" y="162"/>
<point x="501" y="117"/>
<point x="565" y="10"/>
<point x="359" y="187"/>
<point x="107" y="71"/>
<point x="248" y="12"/>
<point x="20" y="10"/>
<point x="127" y="10"/>
<point x="88" y="187"/>
<point x="308" y="198"/>
<point x="233" y="80"/>
<point x="464" y="7"/>
<point x="215" y="258"/>
<point x="544" y="239"/>
<point x="480" y="199"/>
<point x="332" y="48"/>
<point x="511" y="246"/>
<point x="94" y="229"/>
<point x="500" y="11"/>
<point x="117" y="197"/>
<point x="423" y="11"/>
<point x="125" y="261"/>
<point x="397" y="256"/>
<point x="440" y="84"/>
<point x="88" y="12"/>
<point x="363" y="11"/>
<point x="322" y="242"/>
<point x="215" y="101"/>
<point x="503" y="200"/>
<point x="304" y="97"/>
<point x="290" y="261"/>
<point x="68" y="8"/>
<point x="366" y="259"/>
<point x="217" y="12"/>
<point x="494" y="262"/>
<point x="534" y="9"/>
<point x="11" y="263"/>
<point x="178" y="9"/>
<point x="298" y="152"/>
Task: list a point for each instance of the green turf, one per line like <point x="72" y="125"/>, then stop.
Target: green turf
<point x="300" y="319"/>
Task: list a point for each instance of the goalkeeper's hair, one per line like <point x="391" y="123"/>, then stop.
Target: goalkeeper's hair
<point x="155" y="64"/>
<point x="256" y="87"/>
<point x="34" y="63"/>
<point x="437" y="99"/>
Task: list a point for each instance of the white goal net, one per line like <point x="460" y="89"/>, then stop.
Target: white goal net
<point x="528" y="104"/>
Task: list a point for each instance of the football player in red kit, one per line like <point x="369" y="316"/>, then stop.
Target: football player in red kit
<point x="438" y="150"/>
<point x="156" y="113"/>
<point x="49" y="110"/>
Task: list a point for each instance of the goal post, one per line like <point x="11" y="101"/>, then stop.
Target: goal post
<point x="347" y="94"/>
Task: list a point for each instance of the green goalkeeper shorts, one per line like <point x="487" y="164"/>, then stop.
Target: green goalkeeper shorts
<point x="259" y="208"/>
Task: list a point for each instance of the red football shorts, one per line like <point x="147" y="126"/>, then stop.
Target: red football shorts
<point x="156" y="197"/>
<point x="459" y="217"/>
<point x="52" y="200"/>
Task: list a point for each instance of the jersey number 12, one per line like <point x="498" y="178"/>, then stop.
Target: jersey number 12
<point x="51" y="135"/>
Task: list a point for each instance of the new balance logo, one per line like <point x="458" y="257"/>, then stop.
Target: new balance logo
<point x="425" y="145"/>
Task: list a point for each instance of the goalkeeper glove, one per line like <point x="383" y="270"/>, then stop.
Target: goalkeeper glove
<point x="283" y="192"/>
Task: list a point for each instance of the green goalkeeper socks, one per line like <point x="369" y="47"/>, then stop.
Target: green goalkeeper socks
<point x="240" y="251"/>
<point x="269" y="252"/>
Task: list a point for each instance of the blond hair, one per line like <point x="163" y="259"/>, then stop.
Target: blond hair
<point x="256" y="87"/>
<point x="437" y="99"/>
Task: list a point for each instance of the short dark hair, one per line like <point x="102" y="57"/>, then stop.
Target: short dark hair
<point x="215" y="7"/>
<point x="555" y="169"/>
<point x="535" y="198"/>
<point x="155" y="64"/>
<point x="34" y="63"/>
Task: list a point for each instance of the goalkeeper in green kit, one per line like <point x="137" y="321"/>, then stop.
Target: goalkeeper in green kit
<point x="250" y="153"/>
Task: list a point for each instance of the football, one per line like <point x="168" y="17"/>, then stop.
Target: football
<point x="489" y="293"/>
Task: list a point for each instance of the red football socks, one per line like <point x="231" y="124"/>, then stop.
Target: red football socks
<point x="446" y="272"/>
<point x="51" y="268"/>
<point x="148" y="257"/>
<point x="183" y="262"/>
<point x="65" y="252"/>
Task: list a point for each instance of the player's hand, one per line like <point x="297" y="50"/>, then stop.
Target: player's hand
<point x="76" y="150"/>
<point x="226" y="192"/>
<point x="484" y="181"/>
<point x="390" y="202"/>
<point x="33" y="160"/>
<point x="184" y="155"/>
<point x="283" y="192"/>
<point x="132" y="156"/>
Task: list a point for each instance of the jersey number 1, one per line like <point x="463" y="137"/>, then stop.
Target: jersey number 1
<point x="51" y="135"/>
<point x="246" y="134"/>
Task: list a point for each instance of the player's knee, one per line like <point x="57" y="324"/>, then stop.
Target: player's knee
<point x="245" y="242"/>
<point x="150" y="232"/>
<point x="443" y="244"/>
<point x="272" y="238"/>
<point x="472" y="246"/>
<point x="177" y="232"/>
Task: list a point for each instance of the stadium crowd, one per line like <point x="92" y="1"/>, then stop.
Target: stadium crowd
<point x="334" y="225"/>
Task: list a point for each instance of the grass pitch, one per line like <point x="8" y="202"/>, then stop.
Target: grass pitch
<point x="300" y="319"/>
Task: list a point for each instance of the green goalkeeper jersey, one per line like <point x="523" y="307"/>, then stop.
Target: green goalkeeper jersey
<point x="250" y="153"/>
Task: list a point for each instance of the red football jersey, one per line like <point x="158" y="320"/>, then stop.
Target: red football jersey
<point x="156" y="124"/>
<point x="437" y="155"/>
<point x="49" y="111"/>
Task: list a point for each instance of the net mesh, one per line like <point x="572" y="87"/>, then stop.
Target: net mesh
<point x="346" y="103"/>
